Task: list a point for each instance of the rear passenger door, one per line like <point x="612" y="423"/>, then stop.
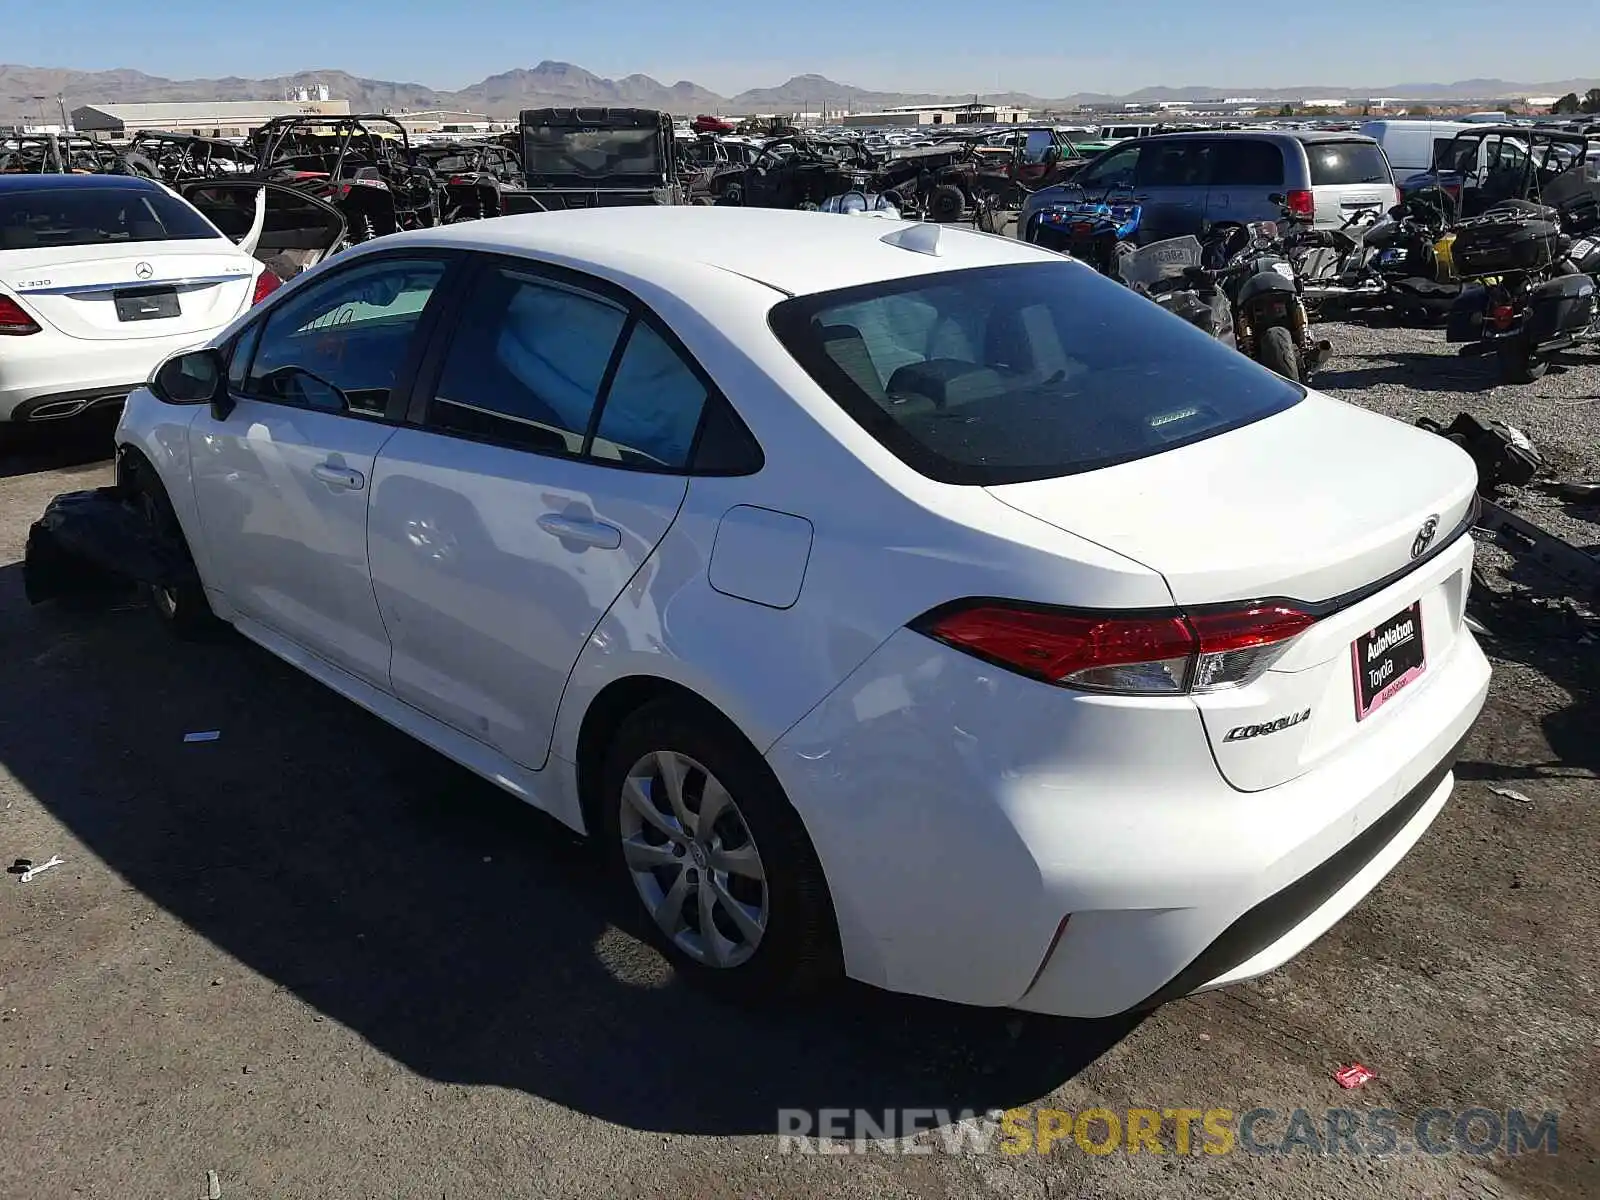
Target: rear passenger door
<point x="1245" y="172"/>
<point x="1171" y="183"/>
<point x="547" y="454"/>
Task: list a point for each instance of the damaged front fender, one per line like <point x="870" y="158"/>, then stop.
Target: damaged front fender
<point x="98" y="544"/>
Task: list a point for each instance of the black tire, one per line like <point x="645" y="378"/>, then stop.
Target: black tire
<point x="1519" y="363"/>
<point x="182" y="609"/>
<point x="947" y="203"/>
<point x="1275" y="350"/>
<point x="798" y="953"/>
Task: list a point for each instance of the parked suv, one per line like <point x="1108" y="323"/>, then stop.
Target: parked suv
<point x="1189" y="181"/>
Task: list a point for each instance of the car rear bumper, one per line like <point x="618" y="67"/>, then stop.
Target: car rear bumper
<point x="52" y="406"/>
<point x="994" y="841"/>
<point x="47" y="376"/>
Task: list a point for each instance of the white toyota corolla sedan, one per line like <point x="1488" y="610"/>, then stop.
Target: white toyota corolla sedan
<point x="102" y="277"/>
<point x="888" y="599"/>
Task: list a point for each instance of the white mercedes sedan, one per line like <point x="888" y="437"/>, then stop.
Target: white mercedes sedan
<point x="101" y="278"/>
<point x="888" y="599"/>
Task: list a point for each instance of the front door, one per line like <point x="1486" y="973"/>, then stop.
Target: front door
<point x="282" y="480"/>
<point x="549" y="462"/>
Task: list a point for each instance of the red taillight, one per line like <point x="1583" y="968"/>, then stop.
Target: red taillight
<point x="1502" y="316"/>
<point x="13" y="321"/>
<point x="266" y="284"/>
<point x="1399" y="196"/>
<point x="1302" y="203"/>
<point x="1161" y="653"/>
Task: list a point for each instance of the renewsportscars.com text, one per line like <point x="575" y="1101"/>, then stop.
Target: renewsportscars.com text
<point x="1375" y="1132"/>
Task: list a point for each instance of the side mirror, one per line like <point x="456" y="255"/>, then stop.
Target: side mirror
<point x="194" y="377"/>
<point x="1277" y="198"/>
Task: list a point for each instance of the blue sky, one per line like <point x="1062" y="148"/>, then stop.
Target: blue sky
<point x="1040" y="46"/>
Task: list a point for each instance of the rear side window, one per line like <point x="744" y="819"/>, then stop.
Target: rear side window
<point x="652" y="407"/>
<point x="1347" y="162"/>
<point x="1031" y="371"/>
<point x="527" y="362"/>
<point x="1246" y="162"/>
<point x="88" y="216"/>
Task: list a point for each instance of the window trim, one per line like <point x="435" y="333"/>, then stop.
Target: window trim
<point x="406" y="377"/>
<point x="430" y="370"/>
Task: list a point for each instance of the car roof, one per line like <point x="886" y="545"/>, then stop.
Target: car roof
<point x="1268" y="135"/>
<point x="800" y="253"/>
<point x="33" y="182"/>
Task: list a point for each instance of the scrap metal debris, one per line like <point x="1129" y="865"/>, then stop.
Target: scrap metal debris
<point x="1511" y="794"/>
<point x="213" y="1186"/>
<point x="1560" y="557"/>
<point x="1587" y="492"/>
<point x="27" y="876"/>
<point x="209" y="735"/>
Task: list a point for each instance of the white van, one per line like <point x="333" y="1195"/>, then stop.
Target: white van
<point x="1412" y="145"/>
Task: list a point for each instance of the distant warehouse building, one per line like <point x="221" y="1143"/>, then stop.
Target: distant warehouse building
<point x="940" y="114"/>
<point x="217" y="118"/>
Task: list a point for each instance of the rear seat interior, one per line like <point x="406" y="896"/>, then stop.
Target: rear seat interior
<point x="913" y="359"/>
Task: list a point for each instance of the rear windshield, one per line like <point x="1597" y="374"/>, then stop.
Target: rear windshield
<point x="85" y="216"/>
<point x="1347" y="162"/>
<point x="1030" y="371"/>
<point x="595" y="155"/>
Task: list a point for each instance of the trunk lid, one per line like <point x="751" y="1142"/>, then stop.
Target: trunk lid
<point x="129" y="293"/>
<point x="1343" y="511"/>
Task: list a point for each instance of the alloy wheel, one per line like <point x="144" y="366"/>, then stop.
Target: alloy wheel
<point x="693" y="859"/>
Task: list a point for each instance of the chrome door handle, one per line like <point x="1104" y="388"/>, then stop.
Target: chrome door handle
<point x="578" y="529"/>
<point x="340" y="477"/>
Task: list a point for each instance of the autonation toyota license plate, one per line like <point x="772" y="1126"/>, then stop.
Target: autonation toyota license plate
<point x="1387" y="658"/>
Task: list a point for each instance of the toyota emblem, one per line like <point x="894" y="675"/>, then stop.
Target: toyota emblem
<point x="144" y="270"/>
<point x="1424" y="538"/>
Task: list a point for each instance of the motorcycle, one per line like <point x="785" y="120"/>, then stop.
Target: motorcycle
<point x="1532" y="285"/>
<point x="1412" y="263"/>
<point x="1171" y="274"/>
<point x="1253" y="265"/>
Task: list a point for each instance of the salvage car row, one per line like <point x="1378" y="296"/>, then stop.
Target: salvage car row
<point x="863" y="586"/>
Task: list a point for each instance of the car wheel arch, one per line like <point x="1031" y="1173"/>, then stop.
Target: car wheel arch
<point x="611" y="706"/>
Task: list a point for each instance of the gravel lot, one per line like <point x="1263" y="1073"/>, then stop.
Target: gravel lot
<point x="318" y="960"/>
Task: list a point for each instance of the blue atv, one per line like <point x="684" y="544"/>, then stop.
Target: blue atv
<point x="1099" y="232"/>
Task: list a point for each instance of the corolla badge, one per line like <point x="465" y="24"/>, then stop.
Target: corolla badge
<point x="144" y="270"/>
<point x="1424" y="538"/>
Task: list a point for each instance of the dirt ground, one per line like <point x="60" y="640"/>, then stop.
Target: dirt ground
<point x="316" y="960"/>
